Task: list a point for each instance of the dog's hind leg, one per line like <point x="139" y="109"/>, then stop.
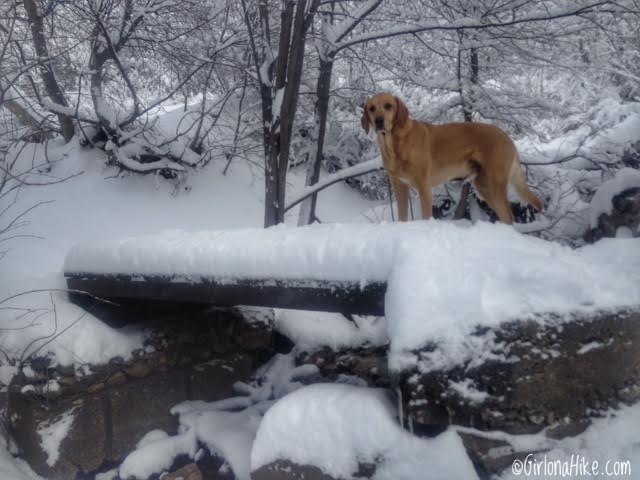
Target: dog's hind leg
<point x="495" y="194"/>
<point x="519" y="181"/>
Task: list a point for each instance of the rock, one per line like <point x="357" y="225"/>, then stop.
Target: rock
<point x="487" y="454"/>
<point x="139" y="369"/>
<point x="96" y="387"/>
<point x="212" y="467"/>
<point x="80" y="450"/>
<point x="110" y="420"/>
<point x="625" y="214"/>
<point x="287" y="470"/>
<point x="554" y="377"/>
<point x="188" y="472"/>
<point x="367" y="363"/>
<point x="137" y="407"/>
<point x="117" y="378"/>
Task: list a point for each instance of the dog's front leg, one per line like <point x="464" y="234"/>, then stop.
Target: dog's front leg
<point x="402" y="198"/>
<point x="426" y="201"/>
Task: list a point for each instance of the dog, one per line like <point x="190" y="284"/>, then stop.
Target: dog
<point x="421" y="155"/>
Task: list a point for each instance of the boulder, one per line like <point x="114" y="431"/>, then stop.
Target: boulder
<point x="287" y="470"/>
<point x="544" y="375"/>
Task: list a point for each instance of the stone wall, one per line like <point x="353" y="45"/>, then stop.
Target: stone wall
<point x="116" y="404"/>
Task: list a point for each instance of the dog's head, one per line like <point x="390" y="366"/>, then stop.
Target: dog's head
<point x="384" y="112"/>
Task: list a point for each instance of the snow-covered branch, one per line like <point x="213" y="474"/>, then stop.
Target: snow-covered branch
<point x="470" y="24"/>
<point x="344" y="174"/>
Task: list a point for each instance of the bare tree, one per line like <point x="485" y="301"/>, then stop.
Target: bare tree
<point x="45" y="66"/>
<point x="279" y="76"/>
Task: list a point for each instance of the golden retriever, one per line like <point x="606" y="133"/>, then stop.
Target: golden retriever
<point x="422" y="155"/>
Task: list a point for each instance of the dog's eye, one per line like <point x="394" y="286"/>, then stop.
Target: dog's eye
<point x="372" y="108"/>
<point x="387" y="106"/>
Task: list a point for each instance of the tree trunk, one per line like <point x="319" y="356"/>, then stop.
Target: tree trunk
<point x="51" y="85"/>
<point x="308" y="208"/>
<point x="293" y="35"/>
<point x="96" y="63"/>
<point x="474" y="70"/>
<point x="468" y="101"/>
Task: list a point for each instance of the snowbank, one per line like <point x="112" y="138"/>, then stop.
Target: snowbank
<point x="335" y="427"/>
<point x="445" y="279"/>
<point x="43" y="323"/>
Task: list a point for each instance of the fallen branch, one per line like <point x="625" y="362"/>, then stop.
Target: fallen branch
<point x="350" y="172"/>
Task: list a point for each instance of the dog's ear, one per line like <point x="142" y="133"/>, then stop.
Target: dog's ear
<point x="364" y="121"/>
<point x="402" y="114"/>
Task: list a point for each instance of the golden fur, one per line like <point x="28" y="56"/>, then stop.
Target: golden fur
<point x="422" y="155"/>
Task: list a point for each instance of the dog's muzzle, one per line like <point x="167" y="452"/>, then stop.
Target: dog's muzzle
<point x="379" y="123"/>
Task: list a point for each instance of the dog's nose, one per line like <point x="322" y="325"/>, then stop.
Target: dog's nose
<point x="379" y="123"/>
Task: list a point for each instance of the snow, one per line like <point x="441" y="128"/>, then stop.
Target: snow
<point x="334" y="427"/>
<point x="466" y="389"/>
<point x="155" y="455"/>
<point x="358" y="169"/>
<point x="311" y="331"/>
<point x="624" y="179"/>
<point x="592" y="346"/>
<point x="12" y="468"/>
<point x="69" y="334"/>
<point x="7" y="372"/>
<point x="229" y="434"/>
<point x="53" y="433"/>
<point x="342" y="252"/>
<point x="612" y="438"/>
<point x="444" y="279"/>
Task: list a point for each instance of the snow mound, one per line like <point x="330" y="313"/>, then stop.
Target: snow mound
<point x="50" y="325"/>
<point x="335" y="427"/>
<point x="624" y="179"/>
<point x="311" y="331"/>
<point x="444" y="279"/>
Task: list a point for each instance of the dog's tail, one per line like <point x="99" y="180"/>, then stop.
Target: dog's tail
<point x="519" y="181"/>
